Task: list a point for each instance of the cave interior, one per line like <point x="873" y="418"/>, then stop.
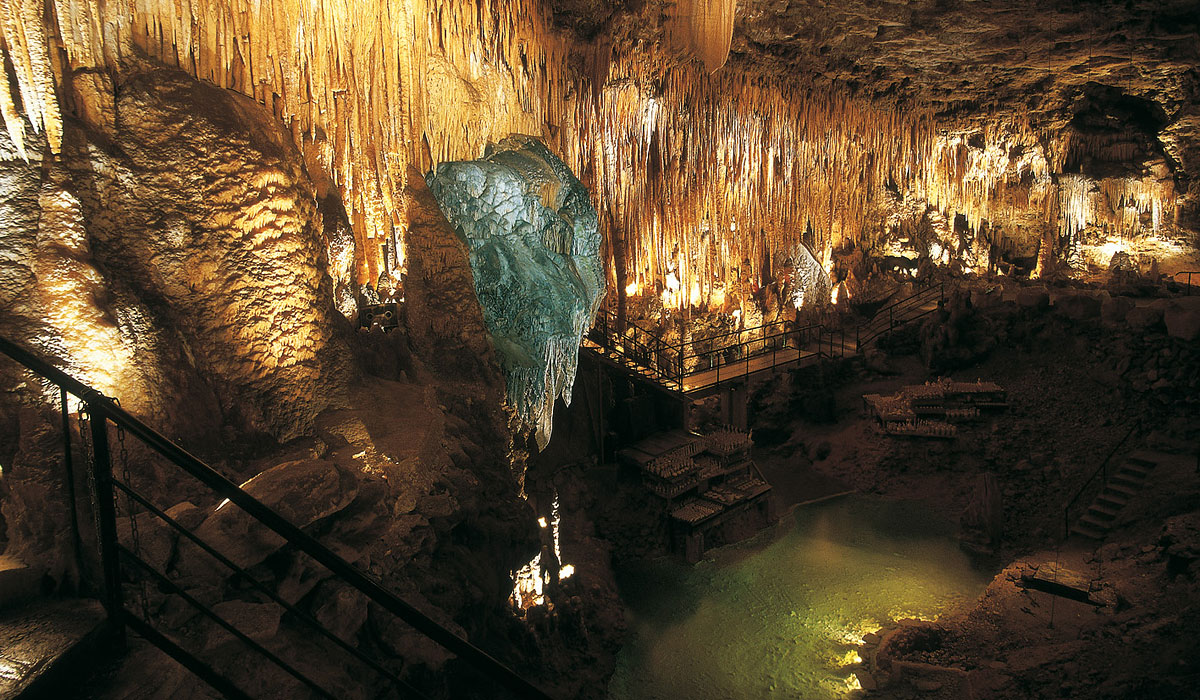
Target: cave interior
<point x="599" y="349"/>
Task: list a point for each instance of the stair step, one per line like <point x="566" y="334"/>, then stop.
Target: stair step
<point x="1152" y="456"/>
<point x="1125" y="489"/>
<point x="1134" y="468"/>
<point x="1127" y="479"/>
<point x="1102" y="512"/>
<point x="1115" y="500"/>
<point x="19" y="583"/>
<point x="1144" y="464"/>
<point x="1095" y="523"/>
<point x="1088" y="532"/>
<point x="46" y="646"/>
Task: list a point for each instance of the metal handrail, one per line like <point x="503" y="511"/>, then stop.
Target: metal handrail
<point x="903" y="305"/>
<point x="202" y="670"/>
<point x="264" y="589"/>
<point x="875" y="327"/>
<point x="1188" y="283"/>
<point x="103" y="409"/>
<point x="1101" y="470"/>
<point x="173" y="588"/>
<point x="668" y="362"/>
<point x="940" y="287"/>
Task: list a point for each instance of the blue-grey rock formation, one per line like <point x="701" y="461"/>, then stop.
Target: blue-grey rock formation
<point x="535" y="243"/>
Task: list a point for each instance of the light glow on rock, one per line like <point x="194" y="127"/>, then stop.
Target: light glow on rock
<point x="529" y="583"/>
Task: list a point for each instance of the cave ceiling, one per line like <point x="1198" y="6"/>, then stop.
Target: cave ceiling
<point x="964" y="59"/>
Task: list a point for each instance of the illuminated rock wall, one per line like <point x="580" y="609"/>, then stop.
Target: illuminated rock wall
<point x="179" y="267"/>
<point x="703" y="176"/>
<point x="535" y="248"/>
<point x="689" y="171"/>
<point x="190" y="243"/>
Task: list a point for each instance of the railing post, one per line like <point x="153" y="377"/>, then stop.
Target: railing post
<point x="106" y="516"/>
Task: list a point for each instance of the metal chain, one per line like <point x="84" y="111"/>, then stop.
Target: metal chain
<point x="123" y="459"/>
<point x="85" y="439"/>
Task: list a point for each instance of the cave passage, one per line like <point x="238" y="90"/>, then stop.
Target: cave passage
<point x="782" y="615"/>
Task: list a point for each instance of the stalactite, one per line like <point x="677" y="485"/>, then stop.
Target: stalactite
<point x="703" y="28"/>
<point x="706" y="176"/>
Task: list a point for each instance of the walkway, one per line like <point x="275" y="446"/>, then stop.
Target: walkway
<point x="697" y="368"/>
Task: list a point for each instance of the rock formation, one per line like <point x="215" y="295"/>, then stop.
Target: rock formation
<point x="535" y="253"/>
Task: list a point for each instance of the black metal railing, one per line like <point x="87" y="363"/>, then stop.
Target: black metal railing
<point x="899" y="313"/>
<point x="704" y="362"/>
<point x="120" y="563"/>
<point x="1102" y="472"/>
<point x="1188" y="280"/>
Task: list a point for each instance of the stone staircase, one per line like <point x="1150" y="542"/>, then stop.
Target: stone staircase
<point x="899" y="313"/>
<point x="1126" y="482"/>
<point x="46" y="644"/>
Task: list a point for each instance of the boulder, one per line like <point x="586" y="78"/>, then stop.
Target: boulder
<point x="186" y="514"/>
<point x="1078" y="307"/>
<point x="981" y="299"/>
<point x="258" y="621"/>
<point x="155" y="541"/>
<point x="302" y="491"/>
<point x="1180" y="540"/>
<point x="1033" y="298"/>
<point x="983" y="519"/>
<point x="1114" y="309"/>
<point x="342" y="610"/>
<point x="1141" y="318"/>
<point x="877" y="361"/>
<point x="1182" y="317"/>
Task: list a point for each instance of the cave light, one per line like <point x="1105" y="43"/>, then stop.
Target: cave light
<point x="529" y="582"/>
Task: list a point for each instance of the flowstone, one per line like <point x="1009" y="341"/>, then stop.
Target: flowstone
<point x="535" y="242"/>
<point x="810" y="284"/>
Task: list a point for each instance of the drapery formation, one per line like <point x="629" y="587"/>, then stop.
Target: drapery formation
<point x="703" y="28"/>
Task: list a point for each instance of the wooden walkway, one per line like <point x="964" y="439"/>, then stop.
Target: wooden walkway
<point x="706" y="379"/>
<point x="700" y="383"/>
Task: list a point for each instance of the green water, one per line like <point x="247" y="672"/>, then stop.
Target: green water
<point x="779" y="616"/>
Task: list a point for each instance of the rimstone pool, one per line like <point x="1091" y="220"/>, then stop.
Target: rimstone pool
<point x="780" y="616"/>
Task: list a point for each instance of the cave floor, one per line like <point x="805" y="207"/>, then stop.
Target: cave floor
<point x="1068" y="409"/>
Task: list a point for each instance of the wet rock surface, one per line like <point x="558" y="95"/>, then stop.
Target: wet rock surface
<point x="1075" y="387"/>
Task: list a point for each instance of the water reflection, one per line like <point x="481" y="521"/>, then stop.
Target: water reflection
<point x="780" y="616"/>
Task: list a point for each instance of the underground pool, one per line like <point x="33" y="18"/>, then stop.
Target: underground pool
<point x="780" y="616"/>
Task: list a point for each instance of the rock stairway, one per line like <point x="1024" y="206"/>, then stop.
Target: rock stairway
<point x="48" y="646"/>
<point x="1125" y="483"/>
